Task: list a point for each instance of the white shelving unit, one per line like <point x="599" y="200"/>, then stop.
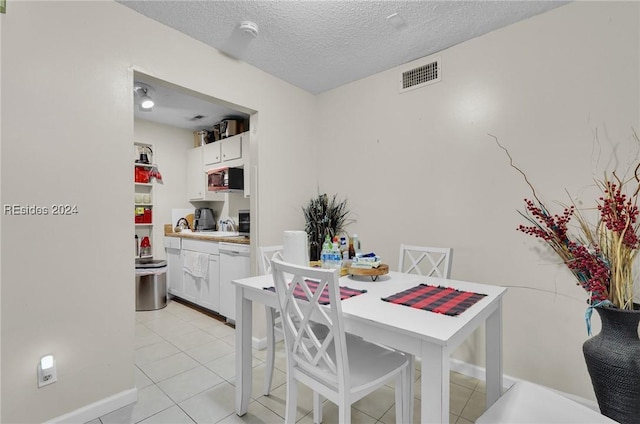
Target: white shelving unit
<point x="143" y="196"/>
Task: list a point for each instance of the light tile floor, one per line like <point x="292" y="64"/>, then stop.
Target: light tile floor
<point x="185" y="373"/>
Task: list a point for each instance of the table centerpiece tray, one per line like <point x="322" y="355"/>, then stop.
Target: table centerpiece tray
<point x="374" y="273"/>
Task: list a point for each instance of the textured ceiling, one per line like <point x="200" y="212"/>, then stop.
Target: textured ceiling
<point x="320" y="45"/>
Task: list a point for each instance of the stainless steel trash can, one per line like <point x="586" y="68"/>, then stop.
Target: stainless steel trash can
<point x="151" y="285"/>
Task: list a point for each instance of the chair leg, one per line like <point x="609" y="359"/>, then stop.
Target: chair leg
<point x="271" y="351"/>
<point x="401" y="380"/>
<point x="344" y="411"/>
<point x="292" y="401"/>
<point x="317" y="408"/>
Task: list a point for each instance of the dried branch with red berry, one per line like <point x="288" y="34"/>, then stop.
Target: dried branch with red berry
<point x="600" y="256"/>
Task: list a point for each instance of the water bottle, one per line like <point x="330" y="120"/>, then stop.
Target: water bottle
<point x="336" y="257"/>
<point x="325" y="255"/>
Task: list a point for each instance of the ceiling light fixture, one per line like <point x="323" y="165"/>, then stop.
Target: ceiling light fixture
<point x="143" y="91"/>
<point x="249" y="28"/>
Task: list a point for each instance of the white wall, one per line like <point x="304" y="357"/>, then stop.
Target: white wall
<point x="542" y="86"/>
<point x="434" y="177"/>
<point x="170" y="154"/>
<point x="67" y="282"/>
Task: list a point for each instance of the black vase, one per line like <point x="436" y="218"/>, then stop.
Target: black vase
<point x="314" y="251"/>
<point x="613" y="361"/>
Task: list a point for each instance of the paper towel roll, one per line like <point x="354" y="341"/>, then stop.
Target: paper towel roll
<point x="296" y="248"/>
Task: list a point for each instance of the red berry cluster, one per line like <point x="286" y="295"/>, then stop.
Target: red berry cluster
<point x="591" y="269"/>
<point x="619" y="214"/>
<point x="550" y="226"/>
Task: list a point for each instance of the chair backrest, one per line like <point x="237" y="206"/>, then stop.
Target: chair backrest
<point x="429" y="261"/>
<point x="267" y="254"/>
<point x="320" y="356"/>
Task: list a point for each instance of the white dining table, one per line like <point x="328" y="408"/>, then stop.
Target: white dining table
<point x="428" y="335"/>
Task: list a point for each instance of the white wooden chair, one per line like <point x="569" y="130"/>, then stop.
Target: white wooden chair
<point x="336" y="366"/>
<point x="274" y="327"/>
<point x="428" y="261"/>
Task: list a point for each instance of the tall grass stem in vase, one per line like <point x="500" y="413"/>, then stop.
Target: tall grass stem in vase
<point x="600" y="255"/>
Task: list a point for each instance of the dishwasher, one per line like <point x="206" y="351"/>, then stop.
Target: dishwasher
<point x="234" y="265"/>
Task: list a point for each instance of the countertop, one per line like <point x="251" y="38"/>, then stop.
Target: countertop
<point x="168" y="232"/>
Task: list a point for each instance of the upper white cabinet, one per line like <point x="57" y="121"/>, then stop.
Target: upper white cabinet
<point x="232" y="147"/>
<point x="223" y="150"/>
<point x="196" y="188"/>
<point x="212" y="153"/>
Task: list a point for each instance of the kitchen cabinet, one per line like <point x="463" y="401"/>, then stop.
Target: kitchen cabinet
<point x="229" y="152"/>
<point x="143" y="200"/>
<point x="223" y="150"/>
<point x="173" y="247"/>
<point x="202" y="290"/>
<point x="234" y="264"/>
<point x="212" y="153"/>
<point x="209" y="295"/>
<point x="196" y="180"/>
<point x="232" y="147"/>
<point x="225" y="262"/>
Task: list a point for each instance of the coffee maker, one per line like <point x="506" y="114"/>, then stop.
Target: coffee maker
<point x="204" y="220"/>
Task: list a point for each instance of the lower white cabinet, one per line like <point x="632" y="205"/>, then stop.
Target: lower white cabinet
<point x="173" y="247"/>
<point x="201" y="288"/>
<point x="212" y="290"/>
<point x="210" y="287"/>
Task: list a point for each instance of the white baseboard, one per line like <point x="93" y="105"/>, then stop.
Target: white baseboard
<point x="259" y="344"/>
<point x="98" y="409"/>
<point x="478" y="373"/>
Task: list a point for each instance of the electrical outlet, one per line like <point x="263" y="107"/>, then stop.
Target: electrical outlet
<point x="47" y="371"/>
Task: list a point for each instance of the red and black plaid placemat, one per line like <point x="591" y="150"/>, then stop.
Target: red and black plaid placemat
<point x="345" y="292"/>
<point x="443" y="300"/>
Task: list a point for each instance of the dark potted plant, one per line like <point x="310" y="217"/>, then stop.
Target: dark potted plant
<point x="324" y="216"/>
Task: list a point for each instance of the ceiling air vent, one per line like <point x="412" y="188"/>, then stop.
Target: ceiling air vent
<point x="419" y="76"/>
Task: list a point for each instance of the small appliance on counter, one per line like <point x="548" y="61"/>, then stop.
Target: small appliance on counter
<point x="244" y="222"/>
<point x="204" y="220"/>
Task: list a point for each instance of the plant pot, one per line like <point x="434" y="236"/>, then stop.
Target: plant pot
<point x="613" y="361"/>
<point x="314" y="251"/>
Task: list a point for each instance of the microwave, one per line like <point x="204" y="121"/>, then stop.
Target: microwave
<point x="224" y="179"/>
